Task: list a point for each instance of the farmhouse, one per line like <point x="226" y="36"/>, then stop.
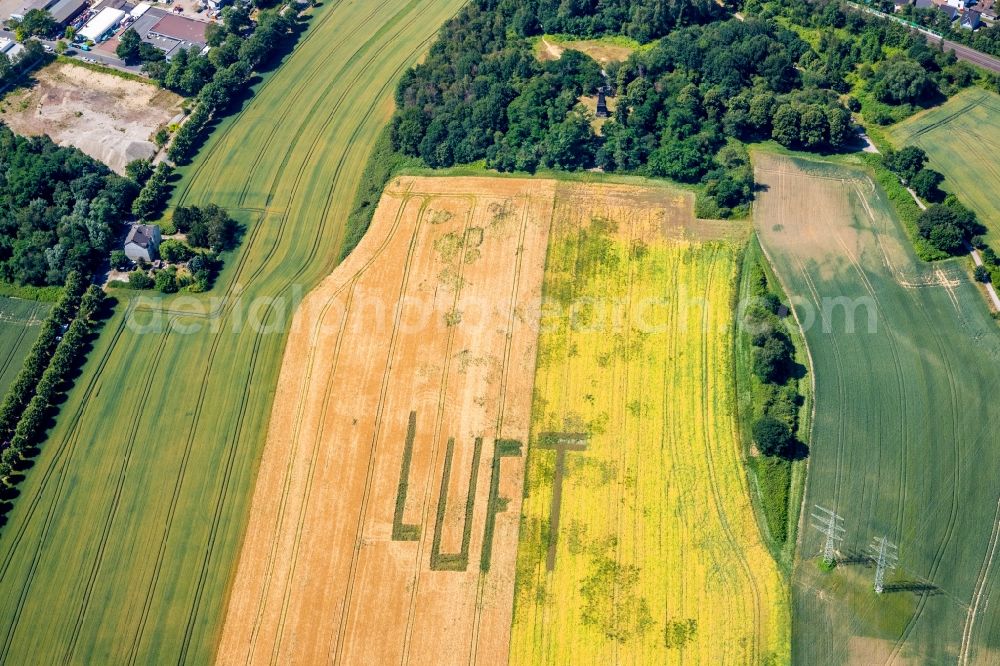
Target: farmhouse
<point x="143" y="242"/>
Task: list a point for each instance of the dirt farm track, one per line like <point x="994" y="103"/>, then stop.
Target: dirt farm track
<point x="383" y="527"/>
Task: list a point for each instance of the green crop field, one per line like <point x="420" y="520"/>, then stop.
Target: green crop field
<point x="121" y="545"/>
<point x="905" y="432"/>
<point x="962" y="139"/>
<point x="19" y="326"/>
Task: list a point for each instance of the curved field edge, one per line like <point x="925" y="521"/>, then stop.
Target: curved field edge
<point x="592" y="583"/>
<point x="122" y="543"/>
<point x="783" y="551"/>
<point x="902" y="421"/>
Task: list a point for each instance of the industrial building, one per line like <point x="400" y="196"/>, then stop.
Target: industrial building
<point x="101" y="25"/>
<point x="168" y="32"/>
<point x="64" y="11"/>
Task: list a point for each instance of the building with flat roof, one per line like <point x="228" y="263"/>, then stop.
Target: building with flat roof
<point x="181" y="29"/>
<point x="65" y="11"/>
<point x="99" y="26"/>
<point x="29" y="5"/>
<point x="170" y="33"/>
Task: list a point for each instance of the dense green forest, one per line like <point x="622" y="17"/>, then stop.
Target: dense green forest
<point x="685" y="103"/>
<point x="59" y="210"/>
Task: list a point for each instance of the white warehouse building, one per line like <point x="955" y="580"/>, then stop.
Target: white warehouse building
<point x="105" y="21"/>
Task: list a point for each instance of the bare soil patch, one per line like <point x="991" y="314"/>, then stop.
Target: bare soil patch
<point x="108" y="117"/>
<point x="603" y="51"/>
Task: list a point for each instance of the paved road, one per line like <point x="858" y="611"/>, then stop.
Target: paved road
<point x="962" y="52"/>
<point x="102" y="58"/>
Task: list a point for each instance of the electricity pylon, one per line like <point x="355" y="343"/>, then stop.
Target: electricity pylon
<point x="885" y="555"/>
<point x="830" y="525"/>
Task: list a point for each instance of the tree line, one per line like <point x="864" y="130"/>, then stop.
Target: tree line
<point x="946" y="224"/>
<point x="58" y="350"/>
<point x="231" y="77"/>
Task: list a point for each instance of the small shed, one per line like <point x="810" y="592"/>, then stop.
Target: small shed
<point x="143" y="242"/>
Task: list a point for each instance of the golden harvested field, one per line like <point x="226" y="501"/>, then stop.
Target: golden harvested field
<point x="638" y="540"/>
<point x="396" y="434"/>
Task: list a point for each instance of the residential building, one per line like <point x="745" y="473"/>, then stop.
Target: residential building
<point x="970" y="19"/>
<point x="143" y="242"/>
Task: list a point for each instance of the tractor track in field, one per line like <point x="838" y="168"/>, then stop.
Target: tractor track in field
<point x="349" y="285"/>
<point x="901" y="390"/>
<point x="210" y="364"/>
<point x="901" y="493"/>
<point x="17" y="343"/>
<point x="295" y="186"/>
<point x="105" y="531"/>
<point x="329" y="82"/>
<point x="629" y="279"/>
<point x="175" y="495"/>
<point x="4" y="566"/>
<point x="335" y="178"/>
<point x="224" y="310"/>
<point x="502" y="404"/>
<point x="221" y="497"/>
<point x="673" y="454"/>
<point x="285" y="213"/>
<point x="68" y="445"/>
<point x="306" y="493"/>
<point x="977" y="592"/>
<point x="955" y="483"/>
<point x="338" y="644"/>
<point x="900" y="383"/>
<point x="436" y="438"/>
<point x="740" y="556"/>
<point x="210" y="151"/>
